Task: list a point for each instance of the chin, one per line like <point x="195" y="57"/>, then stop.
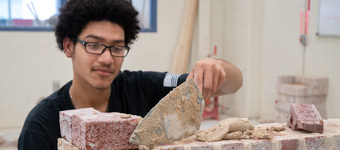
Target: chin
<point x="102" y="86"/>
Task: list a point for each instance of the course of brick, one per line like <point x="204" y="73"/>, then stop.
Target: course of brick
<point x="287" y="139"/>
<point x="283" y="140"/>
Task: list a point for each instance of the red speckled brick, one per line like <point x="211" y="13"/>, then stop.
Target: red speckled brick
<point x="315" y="143"/>
<point x="232" y="146"/>
<point x="104" y="131"/>
<point x="262" y="145"/>
<point x="336" y="139"/>
<point x="290" y="144"/>
<point x="305" y="117"/>
<point x="66" y="117"/>
<point x="255" y="144"/>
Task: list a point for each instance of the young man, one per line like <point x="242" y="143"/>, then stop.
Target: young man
<point x="96" y="35"/>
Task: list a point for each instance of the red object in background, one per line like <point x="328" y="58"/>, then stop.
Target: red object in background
<point x="211" y="109"/>
<point x="22" y="22"/>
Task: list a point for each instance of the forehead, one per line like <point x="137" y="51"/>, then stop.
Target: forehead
<point x="104" y="31"/>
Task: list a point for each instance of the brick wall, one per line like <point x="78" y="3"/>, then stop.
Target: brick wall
<point x="285" y="140"/>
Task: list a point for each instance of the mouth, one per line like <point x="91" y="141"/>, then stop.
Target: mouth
<point x="103" y="71"/>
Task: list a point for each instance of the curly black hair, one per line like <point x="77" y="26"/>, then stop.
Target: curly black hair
<point x="76" y="14"/>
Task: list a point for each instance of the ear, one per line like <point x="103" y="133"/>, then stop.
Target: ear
<point x="68" y="47"/>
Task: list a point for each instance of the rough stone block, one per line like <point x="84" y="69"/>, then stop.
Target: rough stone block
<point x="66" y="117"/>
<point x="305" y="117"/>
<point x="104" y="131"/>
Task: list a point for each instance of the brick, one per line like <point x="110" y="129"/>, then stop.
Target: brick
<point x="332" y="132"/>
<point x="66" y="117"/>
<point x="286" y="79"/>
<point x="104" y="131"/>
<point x="65" y="145"/>
<point x="170" y="147"/>
<point x="312" y="81"/>
<point x="315" y="143"/>
<point x="301" y="99"/>
<point x="200" y="146"/>
<point x="332" y="126"/>
<point x="302" y="90"/>
<point x="254" y="144"/>
<point x="232" y="145"/>
<point x="302" y="79"/>
<point x="305" y="117"/>
<point x="289" y="144"/>
<point x="262" y="145"/>
<point x="336" y="142"/>
<point x="283" y="102"/>
<point x="332" y="142"/>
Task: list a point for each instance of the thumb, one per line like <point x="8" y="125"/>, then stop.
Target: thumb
<point x="190" y="76"/>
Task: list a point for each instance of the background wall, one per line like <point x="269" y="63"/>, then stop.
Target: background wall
<point x="260" y="37"/>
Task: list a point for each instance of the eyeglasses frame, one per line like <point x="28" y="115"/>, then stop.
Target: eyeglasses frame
<point x="105" y="47"/>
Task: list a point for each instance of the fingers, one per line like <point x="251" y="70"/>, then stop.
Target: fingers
<point x="208" y="83"/>
<point x="221" y="79"/>
<point x="190" y="76"/>
<point x="199" y="78"/>
<point x="208" y="75"/>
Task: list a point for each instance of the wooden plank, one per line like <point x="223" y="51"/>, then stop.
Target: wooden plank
<point x="182" y="50"/>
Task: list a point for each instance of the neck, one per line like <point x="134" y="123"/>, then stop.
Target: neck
<point x="84" y="97"/>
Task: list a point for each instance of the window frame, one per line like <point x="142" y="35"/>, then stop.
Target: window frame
<point x="153" y="23"/>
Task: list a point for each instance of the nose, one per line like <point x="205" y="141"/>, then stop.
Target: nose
<point x="106" y="57"/>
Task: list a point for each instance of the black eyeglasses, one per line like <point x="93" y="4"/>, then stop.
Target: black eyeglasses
<point x="99" y="48"/>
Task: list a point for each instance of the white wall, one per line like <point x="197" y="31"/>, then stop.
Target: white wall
<point x="259" y="36"/>
<point x="153" y="51"/>
<point x="30" y="62"/>
<point x="322" y="59"/>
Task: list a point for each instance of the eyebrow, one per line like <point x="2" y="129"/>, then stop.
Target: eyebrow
<point x="102" y="39"/>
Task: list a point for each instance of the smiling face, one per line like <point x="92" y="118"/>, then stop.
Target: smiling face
<point x="91" y="70"/>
